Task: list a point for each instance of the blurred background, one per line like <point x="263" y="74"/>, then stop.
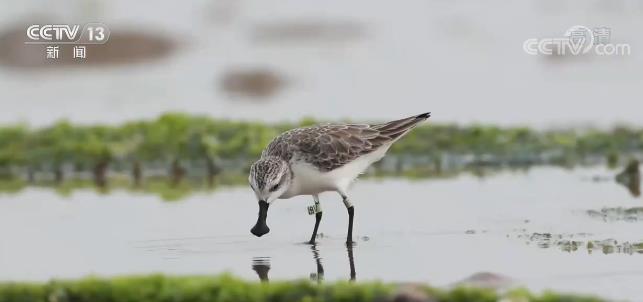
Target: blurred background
<point x="463" y="60"/>
<point x="134" y="160"/>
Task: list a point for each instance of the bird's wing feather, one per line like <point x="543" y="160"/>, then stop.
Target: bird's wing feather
<point x="332" y="146"/>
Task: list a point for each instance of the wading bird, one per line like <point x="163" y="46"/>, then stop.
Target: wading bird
<point x="312" y="160"/>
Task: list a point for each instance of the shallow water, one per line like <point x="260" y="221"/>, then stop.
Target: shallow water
<point x="436" y="231"/>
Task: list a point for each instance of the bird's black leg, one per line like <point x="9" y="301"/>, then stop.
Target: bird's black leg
<point x="351" y="213"/>
<point x="351" y="261"/>
<point x="318" y="216"/>
<point x="349" y="236"/>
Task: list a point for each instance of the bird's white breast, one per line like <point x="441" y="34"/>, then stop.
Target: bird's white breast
<point x="309" y="180"/>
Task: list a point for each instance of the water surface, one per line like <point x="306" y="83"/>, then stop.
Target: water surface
<point x="436" y="231"/>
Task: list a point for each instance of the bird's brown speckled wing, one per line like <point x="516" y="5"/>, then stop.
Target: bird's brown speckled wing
<point x="331" y="146"/>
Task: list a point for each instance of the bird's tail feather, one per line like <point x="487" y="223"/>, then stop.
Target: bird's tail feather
<point x="395" y="129"/>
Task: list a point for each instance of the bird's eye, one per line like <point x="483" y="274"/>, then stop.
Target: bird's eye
<point x="274" y="188"/>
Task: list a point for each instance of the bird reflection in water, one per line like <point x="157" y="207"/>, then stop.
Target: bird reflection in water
<point x="319" y="276"/>
<point x="261" y="265"/>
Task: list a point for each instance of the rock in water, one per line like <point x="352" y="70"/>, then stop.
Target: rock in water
<point x="411" y="293"/>
<point x="486" y="280"/>
<point x="631" y="178"/>
<point x="256" y="83"/>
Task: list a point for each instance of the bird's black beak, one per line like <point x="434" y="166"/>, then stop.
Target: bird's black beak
<point x="260" y="227"/>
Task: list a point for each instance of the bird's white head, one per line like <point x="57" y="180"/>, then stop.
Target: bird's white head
<point x="269" y="178"/>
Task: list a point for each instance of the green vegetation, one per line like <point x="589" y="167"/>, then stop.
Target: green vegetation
<point x="168" y="191"/>
<point x="158" y="288"/>
<point x="176" y="146"/>
<point x="579" y="242"/>
<point x="634" y="214"/>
